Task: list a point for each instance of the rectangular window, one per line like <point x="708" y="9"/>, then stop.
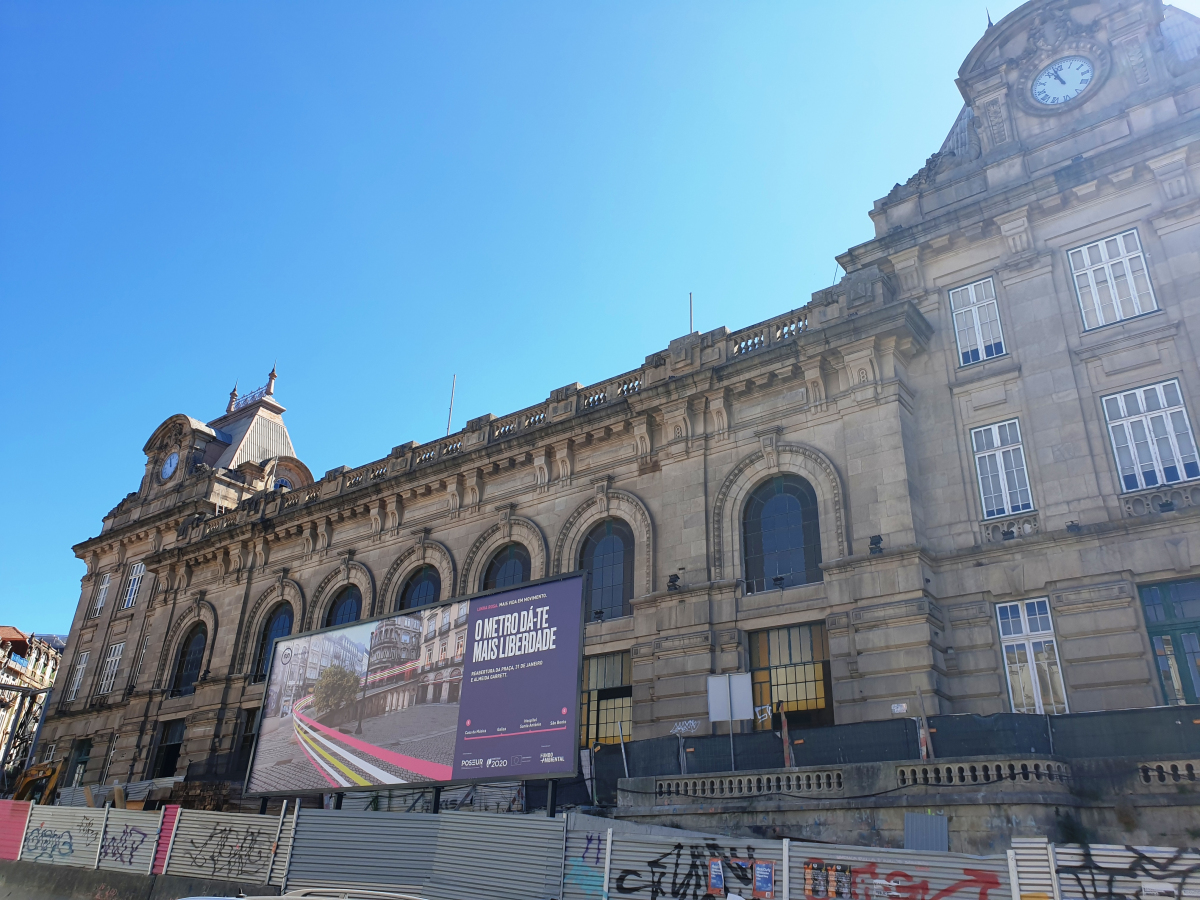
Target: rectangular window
<point x="1173" y="621"/>
<point x="977" y="322"/>
<point x="606" y="699"/>
<point x="80" y="756"/>
<point x="48" y="754"/>
<point x="1151" y="436"/>
<point x="135" y="582"/>
<point x="169" y="747"/>
<point x="1111" y="280"/>
<point x="1035" y="682"/>
<point x="111" y="662"/>
<point x="77" y="675"/>
<point x="1000" y="462"/>
<point x="789" y="670"/>
<point x="101" y="594"/>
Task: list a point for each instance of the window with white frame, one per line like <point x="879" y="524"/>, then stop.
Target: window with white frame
<point x="1151" y="436"/>
<point x="1035" y="682"/>
<point x="1111" y="279"/>
<point x="135" y="582"/>
<point x="111" y="661"/>
<point x="977" y="322"/>
<point x="1000" y="463"/>
<point x="48" y="754"/>
<point x="77" y="675"/>
<point x="101" y="594"/>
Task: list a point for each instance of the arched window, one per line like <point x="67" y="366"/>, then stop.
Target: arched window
<point x="346" y="608"/>
<point x="607" y="553"/>
<point x="509" y="566"/>
<point x="781" y="536"/>
<point x="421" y="589"/>
<point x="191" y="657"/>
<point x="278" y="624"/>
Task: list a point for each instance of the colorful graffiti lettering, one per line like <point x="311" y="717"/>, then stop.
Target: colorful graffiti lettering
<point x="42" y="843"/>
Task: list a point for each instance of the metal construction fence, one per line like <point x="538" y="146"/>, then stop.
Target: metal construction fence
<point x="454" y="854"/>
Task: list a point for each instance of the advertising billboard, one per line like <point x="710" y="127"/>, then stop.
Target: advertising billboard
<point x="480" y="689"/>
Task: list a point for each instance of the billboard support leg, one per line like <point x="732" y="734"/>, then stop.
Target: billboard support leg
<point x="551" y="798"/>
<point x="437" y="800"/>
<point x="337" y="803"/>
<point x="262" y="807"/>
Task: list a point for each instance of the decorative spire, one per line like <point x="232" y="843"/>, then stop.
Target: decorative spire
<point x="271" y="381"/>
<point x="989" y="15"/>
<point x="232" y="399"/>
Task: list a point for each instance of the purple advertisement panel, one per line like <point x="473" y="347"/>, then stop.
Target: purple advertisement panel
<point x="483" y="689"/>
<point x="518" y="717"/>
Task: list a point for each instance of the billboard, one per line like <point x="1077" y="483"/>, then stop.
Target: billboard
<point x="481" y="689"/>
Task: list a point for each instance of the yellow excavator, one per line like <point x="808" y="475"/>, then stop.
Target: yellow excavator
<point x="39" y="783"/>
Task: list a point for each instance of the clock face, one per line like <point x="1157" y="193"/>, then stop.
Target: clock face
<point x="1063" y="80"/>
<point x="168" y="467"/>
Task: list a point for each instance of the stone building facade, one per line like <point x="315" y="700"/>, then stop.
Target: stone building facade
<point x="963" y="479"/>
<point x="27" y="661"/>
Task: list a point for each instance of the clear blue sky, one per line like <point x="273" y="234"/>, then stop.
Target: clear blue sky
<point x="383" y="194"/>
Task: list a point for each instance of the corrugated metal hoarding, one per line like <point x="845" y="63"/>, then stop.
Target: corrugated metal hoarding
<point x="226" y="846"/>
<point x="870" y="873"/>
<point x="64" y="836"/>
<point x="1110" y="870"/>
<point x="13" y="816"/>
<point x="130" y="839"/>
<point x="444" y="857"/>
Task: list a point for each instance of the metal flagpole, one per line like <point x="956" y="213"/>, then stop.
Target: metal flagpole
<point x="453" y="385"/>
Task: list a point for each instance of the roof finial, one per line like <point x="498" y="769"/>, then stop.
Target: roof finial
<point x="271" y="381"/>
<point x="989" y="15"/>
<point x="232" y="398"/>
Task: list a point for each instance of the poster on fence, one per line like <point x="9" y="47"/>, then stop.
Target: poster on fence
<point x="481" y="689"/>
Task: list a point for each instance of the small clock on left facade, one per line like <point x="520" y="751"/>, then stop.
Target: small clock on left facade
<point x="168" y="467"/>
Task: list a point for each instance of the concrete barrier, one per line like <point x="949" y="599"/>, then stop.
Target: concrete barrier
<point x="31" y="881"/>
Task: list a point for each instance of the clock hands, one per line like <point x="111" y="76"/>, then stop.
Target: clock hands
<point x="1054" y="72"/>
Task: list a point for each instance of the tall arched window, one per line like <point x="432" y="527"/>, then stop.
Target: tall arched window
<point x="422" y="588"/>
<point x="277" y="625"/>
<point x="191" y="657"/>
<point x="510" y="565"/>
<point x="346" y="608"/>
<point x="781" y="536"/>
<point x="607" y="553"/>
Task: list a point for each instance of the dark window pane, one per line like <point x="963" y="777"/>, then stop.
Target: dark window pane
<point x="790" y="672"/>
<point x="191" y="656"/>
<point x="423" y="588"/>
<point x="607" y="553"/>
<point x="346" y="608"/>
<point x="509" y="566"/>
<point x="781" y="537"/>
<point x="279" y="624"/>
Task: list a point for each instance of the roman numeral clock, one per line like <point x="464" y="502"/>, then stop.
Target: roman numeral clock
<point x="1062" y="77"/>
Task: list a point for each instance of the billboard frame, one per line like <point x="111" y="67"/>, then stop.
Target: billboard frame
<point x="583" y="574"/>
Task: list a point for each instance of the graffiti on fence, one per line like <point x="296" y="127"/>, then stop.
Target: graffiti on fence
<point x="42" y="843"/>
<point x="681" y="873"/>
<point x="1154" y="877"/>
<point x="122" y="845"/>
<point x="230" y="851"/>
<point x="688" y="871"/>
<point x="686" y="726"/>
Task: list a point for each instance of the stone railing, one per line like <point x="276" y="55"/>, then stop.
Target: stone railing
<point x="731" y="785"/>
<point x="1169" y="774"/>
<point x="220" y="523"/>
<point x="1160" y="500"/>
<point x="518" y="423"/>
<point x="767" y="334"/>
<point x="932" y="772"/>
<point x="1008" y="528"/>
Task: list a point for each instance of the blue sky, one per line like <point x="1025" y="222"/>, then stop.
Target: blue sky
<point x="380" y="195"/>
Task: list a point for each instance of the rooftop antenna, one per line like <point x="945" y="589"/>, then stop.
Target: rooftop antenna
<point x="690" y="329"/>
<point x="453" y="384"/>
<point x="989" y="15"/>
